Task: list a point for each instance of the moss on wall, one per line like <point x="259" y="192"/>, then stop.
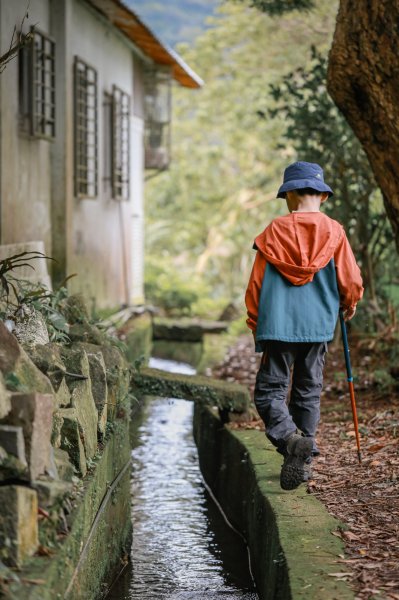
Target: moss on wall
<point x="214" y="392"/>
<point x="100" y="532"/>
<point x="186" y="352"/>
<point x="137" y="335"/>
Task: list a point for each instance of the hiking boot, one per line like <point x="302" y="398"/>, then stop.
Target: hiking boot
<point x="298" y="451"/>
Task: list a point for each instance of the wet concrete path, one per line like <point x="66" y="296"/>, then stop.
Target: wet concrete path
<point x="182" y="548"/>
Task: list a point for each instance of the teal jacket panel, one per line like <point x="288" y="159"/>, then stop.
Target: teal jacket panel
<point x="297" y="313"/>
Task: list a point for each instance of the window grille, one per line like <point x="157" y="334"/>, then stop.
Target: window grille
<point x="157" y="111"/>
<point x="37" y="86"/>
<point x="85" y="129"/>
<point x="107" y="143"/>
<point x="120" y="144"/>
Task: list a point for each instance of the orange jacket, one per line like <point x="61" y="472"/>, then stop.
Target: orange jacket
<point x="299" y="245"/>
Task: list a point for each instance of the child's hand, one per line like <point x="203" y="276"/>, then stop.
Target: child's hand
<point x="349" y="313"/>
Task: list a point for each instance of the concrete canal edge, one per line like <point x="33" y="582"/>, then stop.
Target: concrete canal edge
<point x="229" y="397"/>
<point x="293" y="552"/>
<point x="101" y="519"/>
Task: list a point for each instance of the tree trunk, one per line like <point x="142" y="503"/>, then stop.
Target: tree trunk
<point x="363" y="80"/>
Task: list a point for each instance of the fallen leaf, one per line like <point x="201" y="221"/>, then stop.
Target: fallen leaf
<point x="375" y="447"/>
<point x="349" y="535"/>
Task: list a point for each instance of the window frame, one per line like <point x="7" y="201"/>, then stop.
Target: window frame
<point x="85" y="129"/>
<point x="120" y="144"/>
<point x="34" y="92"/>
<point x="157" y="92"/>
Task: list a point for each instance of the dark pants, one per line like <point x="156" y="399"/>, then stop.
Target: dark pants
<point x="271" y="390"/>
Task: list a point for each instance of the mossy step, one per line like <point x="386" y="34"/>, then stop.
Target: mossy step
<point x="227" y="396"/>
<point x="186" y="352"/>
<point x="293" y="552"/>
<point x="185" y="330"/>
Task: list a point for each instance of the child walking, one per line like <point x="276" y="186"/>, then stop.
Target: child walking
<point x="304" y="271"/>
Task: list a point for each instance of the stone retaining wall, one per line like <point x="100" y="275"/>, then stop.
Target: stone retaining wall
<point x="64" y="410"/>
<point x="99" y="532"/>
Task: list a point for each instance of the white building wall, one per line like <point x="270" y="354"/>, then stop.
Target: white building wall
<point x="137" y="191"/>
<point x="99" y="239"/>
<point x="101" y="250"/>
<point x="25" y="197"/>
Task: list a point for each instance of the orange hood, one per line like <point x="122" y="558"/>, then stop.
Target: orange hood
<point x="300" y="244"/>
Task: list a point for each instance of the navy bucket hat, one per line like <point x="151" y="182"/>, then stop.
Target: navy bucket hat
<point x="303" y="175"/>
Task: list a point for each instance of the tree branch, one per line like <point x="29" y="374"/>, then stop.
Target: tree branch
<point x="23" y="40"/>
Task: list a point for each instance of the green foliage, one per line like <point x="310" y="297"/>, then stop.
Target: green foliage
<point x="318" y="132"/>
<point x="220" y="192"/>
<point x="138" y="363"/>
<point x="238" y="327"/>
<point x="16" y="293"/>
<point x="383" y="380"/>
<point x="10" y="264"/>
<point x="207" y="307"/>
<point x="391" y="290"/>
<point x="171" y="290"/>
<point x="48" y="303"/>
<point x="279" y="7"/>
<point x="115" y="341"/>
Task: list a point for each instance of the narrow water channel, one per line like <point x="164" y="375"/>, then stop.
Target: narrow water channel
<point x="182" y="547"/>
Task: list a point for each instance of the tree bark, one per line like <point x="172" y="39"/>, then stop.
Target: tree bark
<point x="363" y="80"/>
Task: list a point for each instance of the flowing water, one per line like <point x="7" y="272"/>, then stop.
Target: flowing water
<point x="182" y="547"/>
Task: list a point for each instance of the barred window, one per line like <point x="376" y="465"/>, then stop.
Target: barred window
<point x="157" y="113"/>
<point x="120" y="144"/>
<point x="85" y="129"/>
<point x="37" y="85"/>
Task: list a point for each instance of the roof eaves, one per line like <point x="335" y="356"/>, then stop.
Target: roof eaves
<point x="187" y="69"/>
<point x="122" y="17"/>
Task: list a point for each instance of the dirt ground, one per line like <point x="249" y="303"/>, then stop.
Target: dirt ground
<point x="364" y="497"/>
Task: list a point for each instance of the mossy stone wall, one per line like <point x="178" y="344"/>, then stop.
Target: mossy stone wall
<point x="100" y="532"/>
<point x="137" y="335"/>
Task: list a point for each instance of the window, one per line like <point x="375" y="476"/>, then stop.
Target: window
<point x="107" y="143"/>
<point x="85" y="129"/>
<point x="157" y="111"/>
<point x="120" y="144"/>
<point x="37" y="86"/>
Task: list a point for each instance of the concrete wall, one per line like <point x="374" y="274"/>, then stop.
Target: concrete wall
<point x="288" y="534"/>
<point x="137" y="185"/>
<point x="99" y="239"/>
<point x="101" y="250"/>
<point x="25" y="195"/>
<point x="137" y="228"/>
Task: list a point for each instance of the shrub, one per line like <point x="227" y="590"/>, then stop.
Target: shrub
<point x="171" y="290"/>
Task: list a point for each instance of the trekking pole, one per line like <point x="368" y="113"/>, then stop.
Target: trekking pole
<point x="350" y="381"/>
